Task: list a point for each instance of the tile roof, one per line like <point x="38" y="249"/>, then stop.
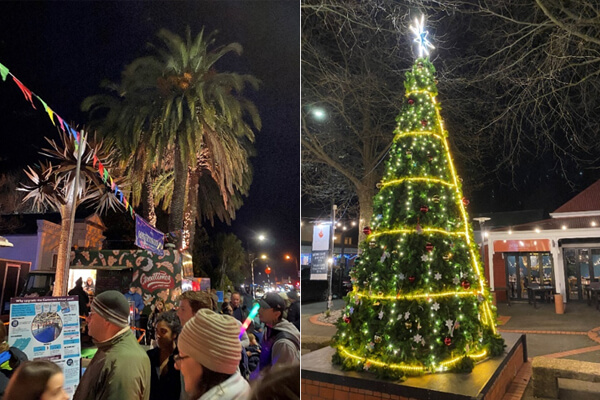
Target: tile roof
<point x="588" y="200"/>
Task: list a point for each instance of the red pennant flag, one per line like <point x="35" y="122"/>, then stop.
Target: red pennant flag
<point x="26" y="92"/>
<point x="101" y="168"/>
<point x="60" y="122"/>
<point x="94" y="160"/>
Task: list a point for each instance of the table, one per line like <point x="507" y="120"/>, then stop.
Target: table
<point x="545" y="293"/>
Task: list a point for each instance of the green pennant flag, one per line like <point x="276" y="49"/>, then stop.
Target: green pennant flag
<point x="3" y="72"/>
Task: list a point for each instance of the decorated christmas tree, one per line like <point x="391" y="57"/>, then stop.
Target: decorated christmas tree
<point x="419" y="301"/>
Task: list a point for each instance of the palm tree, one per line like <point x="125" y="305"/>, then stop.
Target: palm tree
<point x="183" y="126"/>
<point x="195" y="107"/>
<point x="53" y="182"/>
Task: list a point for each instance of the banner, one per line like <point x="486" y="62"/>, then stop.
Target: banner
<point x="319" y="265"/>
<point x="147" y="237"/>
<point x="47" y="328"/>
<point x="321" y="237"/>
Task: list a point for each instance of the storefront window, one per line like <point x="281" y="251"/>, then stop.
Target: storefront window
<point x="523" y="269"/>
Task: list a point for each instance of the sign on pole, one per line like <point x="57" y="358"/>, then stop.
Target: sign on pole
<point x="147" y="237"/>
<point x="320" y="252"/>
<point x="47" y="328"/>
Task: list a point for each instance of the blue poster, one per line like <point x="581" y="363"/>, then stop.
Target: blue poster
<point x="147" y="237"/>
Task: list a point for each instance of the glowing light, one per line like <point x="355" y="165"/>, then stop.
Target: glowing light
<point x="421" y="36"/>
<point x="248" y="320"/>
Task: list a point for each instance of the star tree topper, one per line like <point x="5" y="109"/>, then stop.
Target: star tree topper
<point x="421" y="36"/>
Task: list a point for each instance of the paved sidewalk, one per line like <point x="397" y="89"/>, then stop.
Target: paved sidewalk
<point x="572" y="335"/>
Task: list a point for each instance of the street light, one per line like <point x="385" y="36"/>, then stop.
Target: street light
<point x="263" y="257"/>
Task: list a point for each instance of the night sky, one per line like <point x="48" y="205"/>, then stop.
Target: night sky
<point x="63" y="50"/>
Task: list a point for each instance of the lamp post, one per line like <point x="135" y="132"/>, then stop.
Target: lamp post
<point x="260" y="238"/>
<point x="482" y="221"/>
<point x="331" y="244"/>
<point x="264" y="257"/>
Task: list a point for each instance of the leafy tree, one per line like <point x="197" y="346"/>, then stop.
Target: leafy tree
<point x="52" y="183"/>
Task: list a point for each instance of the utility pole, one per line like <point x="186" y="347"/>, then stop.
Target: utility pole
<point x="331" y="244"/>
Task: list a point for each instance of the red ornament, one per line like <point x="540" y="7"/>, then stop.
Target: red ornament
<point x="465" y="284"/>
<point x="347" y="319"/>
<point x="367" y="230"/>
<point x="411" y="279"/>
<point x="465" y="201"/>
<point x="424" y="209"/>
<point x="411" y="101"/>
<point x="448" y="341"/>
<point x="429" y="246"/>
<point x="424" y="122"/>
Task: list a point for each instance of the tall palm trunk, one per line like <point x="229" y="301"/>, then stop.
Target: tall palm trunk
<point x="191" y="208"/>
<point x="180" y="170"/>
<point x="62" y="270"/>
<point x="148" y="199"/>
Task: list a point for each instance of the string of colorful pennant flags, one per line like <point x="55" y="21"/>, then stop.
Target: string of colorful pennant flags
<point x="29" y="95"/>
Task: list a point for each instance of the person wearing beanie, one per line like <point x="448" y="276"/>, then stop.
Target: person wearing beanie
<point x="120" y="368"/>
<point x="209" y="355"/>
<point x="281" y="341"/>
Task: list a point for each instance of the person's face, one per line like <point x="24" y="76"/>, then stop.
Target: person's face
<point x="96" y="326"/>
<point x="268" y="315"/>
<point x="228" y="310"/>
<point x="132" y="290"/>
<point x="184" y="312"/>
<point x="191" y="371"/>
<point x="235" y="300"/>
<point x="160" y="305"/>
<point x="54" y="388"/>
<point x="165" y="336"/>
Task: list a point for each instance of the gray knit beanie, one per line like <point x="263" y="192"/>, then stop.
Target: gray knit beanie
<point x="113" y="307"/>
<point x="212" y="340"/>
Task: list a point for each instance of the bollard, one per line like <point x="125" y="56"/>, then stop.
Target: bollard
<point x="558" y="304"/>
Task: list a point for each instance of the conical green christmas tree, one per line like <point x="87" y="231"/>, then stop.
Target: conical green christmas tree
<point x="420" y="302"/>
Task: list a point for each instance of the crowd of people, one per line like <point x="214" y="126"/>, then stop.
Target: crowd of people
<point x="199" y="351"/>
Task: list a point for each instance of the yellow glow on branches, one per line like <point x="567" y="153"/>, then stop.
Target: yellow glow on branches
<point x="419" y="296"/>
<point x="444" y="365"/>
<point x="417" y="179"/>
<point x="425" y="230"/>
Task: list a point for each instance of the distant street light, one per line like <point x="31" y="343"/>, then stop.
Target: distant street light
<point x="319" y="114"/>
<point x="263" y="257"/>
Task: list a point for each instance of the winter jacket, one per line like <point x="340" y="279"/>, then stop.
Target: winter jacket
<point x="119" y="370"/>
<point x="138" y="303"/>
<point x="281" y="345"/>
<point x="168" y="385"/>
<point x="84" y="299"/>
<point x="8" y="367"/>
<point x="234" y="388"/>
<point x="253" y="357"/>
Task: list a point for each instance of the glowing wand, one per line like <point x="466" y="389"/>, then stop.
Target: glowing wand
<point x="248" y="320"/>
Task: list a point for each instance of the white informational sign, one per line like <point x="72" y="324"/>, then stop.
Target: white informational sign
<point x="321" y="237"/>
<point x="47" y="328"/>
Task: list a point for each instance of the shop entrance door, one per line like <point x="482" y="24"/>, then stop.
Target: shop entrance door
<point x="526" y="268"/>
<point x="582" y="266"/>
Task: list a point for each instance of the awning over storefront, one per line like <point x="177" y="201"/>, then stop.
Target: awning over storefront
<point x="524" y="245"/>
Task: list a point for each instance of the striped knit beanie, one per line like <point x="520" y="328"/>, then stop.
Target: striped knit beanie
<point x="211" y="339"/>
<point x="113" y="307"/>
